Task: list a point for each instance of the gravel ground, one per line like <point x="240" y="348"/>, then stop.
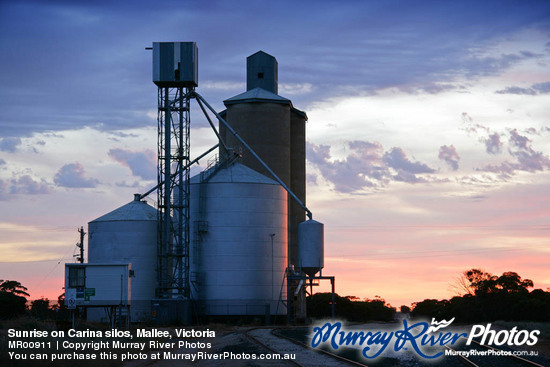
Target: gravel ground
<point x="303" y="356"/>
<point x="234" y="340"/>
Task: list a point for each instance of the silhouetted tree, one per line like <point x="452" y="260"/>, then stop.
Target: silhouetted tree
<point x="479" y="282"/>
<point x="12" y="300"/>
<point x="12" y="305"/>
<point x="429" y="308"/>
<point x="510" y="282"/>
<point x="12" y="286"/>
<point x="487" y="298"/>
<point x="349" y="308"/>
<point x="41" y="308"/>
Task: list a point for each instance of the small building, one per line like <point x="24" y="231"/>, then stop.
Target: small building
<point x="98" y="285"/>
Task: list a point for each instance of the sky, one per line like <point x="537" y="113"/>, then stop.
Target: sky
<point x="428" y="139"/>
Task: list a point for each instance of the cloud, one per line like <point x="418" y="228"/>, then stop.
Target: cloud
<point x="126" y="184"/>
<point x="23" y="185"/>
<point x="493" y="145"/>
<point x="525" y="158"/>
<point x="533" y="90"/>
<point x="311" y="178"/>
<point x="471" y="127"/>
<point x="363" y="167"/>
<point x="366" y="166"/>
<point x="142" y="164"/>
<point x="9" y="145"/>
<point x="519" y="141"/>
<point x="449" y="155"/>
<point x="517" y="90"/>
<point x="397" y="159"/>
<point x="542" y="88"/>
<point x="73" y="175"/>
<point x="2" y="162"/>
<point x="377" y="45"/>
<point x="528" y="159"/>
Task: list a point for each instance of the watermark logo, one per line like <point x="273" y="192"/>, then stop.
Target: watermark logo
<point x="512" y="337"/>
<point x="421" y="338"/>
<point x="439" y="325"/>
<point x="414" y="336"/>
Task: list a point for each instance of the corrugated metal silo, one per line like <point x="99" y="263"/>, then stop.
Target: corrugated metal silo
<point x="239" y="242"/>
<point x="128" y="235"/>
<point x="311" y="243"/>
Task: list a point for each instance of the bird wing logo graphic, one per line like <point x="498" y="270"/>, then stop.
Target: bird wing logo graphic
<point x="439" y="325"/>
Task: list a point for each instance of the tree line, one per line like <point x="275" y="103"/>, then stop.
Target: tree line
<point x="13" y="303"/>
<point x="488" y="297"/>
<point x="482" y="297"/>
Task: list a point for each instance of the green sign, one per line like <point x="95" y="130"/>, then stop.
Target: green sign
<point x="89" y="292"/>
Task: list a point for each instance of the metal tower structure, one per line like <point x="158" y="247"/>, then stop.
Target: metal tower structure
<point x="173" y="192"/>
<point x="175" y="72"/>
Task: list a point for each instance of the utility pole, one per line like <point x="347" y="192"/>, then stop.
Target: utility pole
<point x="81" y="245"/>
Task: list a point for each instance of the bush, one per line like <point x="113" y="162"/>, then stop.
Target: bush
<point x="348" y="308"/>
<point x="11" y="305"/>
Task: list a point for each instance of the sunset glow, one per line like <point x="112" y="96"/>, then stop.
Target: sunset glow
<point x="428" y="133"/>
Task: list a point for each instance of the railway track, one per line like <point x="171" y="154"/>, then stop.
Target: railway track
<point x="305" y="356"/>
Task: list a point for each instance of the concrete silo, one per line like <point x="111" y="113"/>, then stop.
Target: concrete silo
<point x="275" y="130"/>
<point x="128" y="235"/>
<point x="239" y="242"/>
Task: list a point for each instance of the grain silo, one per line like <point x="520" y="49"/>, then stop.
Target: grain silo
<point x="128" y="235"/>
<point x="224" y="242"/>
<point x="239" y="242"/>
<point x="275" y="130"/>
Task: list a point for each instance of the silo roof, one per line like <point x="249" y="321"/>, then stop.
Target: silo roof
<point x="260" y="95"/>
<point x="133" y="211"/>
<point x="257" y="95"/>
<point x="236" y="173"/>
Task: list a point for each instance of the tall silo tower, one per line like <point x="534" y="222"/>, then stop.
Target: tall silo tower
<point x="275" y="130"/>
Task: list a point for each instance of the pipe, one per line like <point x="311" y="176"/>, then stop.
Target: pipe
<point x="308" y="212"/>
<point x="142" y="196"/>
<point x="212" y="125"/>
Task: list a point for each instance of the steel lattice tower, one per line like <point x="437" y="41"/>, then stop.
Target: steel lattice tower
<point x="173" y="193"/>
<point x="175" y="72"/>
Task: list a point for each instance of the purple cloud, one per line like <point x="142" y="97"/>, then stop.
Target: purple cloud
<point x="519" y="141"/>
<point x="73" y="175"/>
<point x="533" y="90"/>
<point x="311" y="178"/>
<point x="23" y="185"/>
<point x="493" y="145"/>
<point x="526" y="158"/>
<point x="366" y="166"/>
<point x="142" y="164"/>
<point x="449" y="155"/>
<point x="397" y="159"/>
